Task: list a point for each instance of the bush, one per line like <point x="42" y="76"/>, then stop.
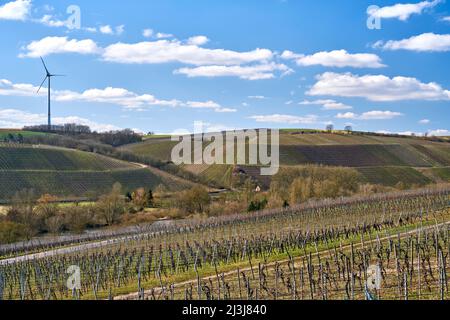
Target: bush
<point x="194" y="200"/>
<point x="12" y="232"/>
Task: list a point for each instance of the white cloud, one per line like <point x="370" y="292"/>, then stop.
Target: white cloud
<point x="401" y="11"/>
<point x="226" y="110"/>
<point x="13" y="118"/>
<point x="120" y="29"/>
<point x="284" y="118"/>
<point x="370" y="115"/>
<point x="161" y="35"/>
<point x="147" y="33"/>
<point x="257" y="97"/>
<point x="15" y="10"/>
<point x="253" y="72"/>
<point x="117" y="96"/>
<point x="53" y="45"/>
<point x="198" y="40"/>
<point x="106" y="29"/>
<point x="7" y="88"/>
<point x="209" y="105"/>
<point x="336" y="58"/>
<point x="439" y="132"/>
<point x="250" y="65"/>
<point x="164" y="51"/>
<point x="447" y="19"/>
<point x="423" y="42"/>
<point x="424" y="121"/>
<point x="327" y="104"/>
<point x="91" y="29"/>
<point x="50" y="21"/>
<point x="376" y="87"/>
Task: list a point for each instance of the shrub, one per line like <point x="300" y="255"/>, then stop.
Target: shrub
<point x="12" y="232"/>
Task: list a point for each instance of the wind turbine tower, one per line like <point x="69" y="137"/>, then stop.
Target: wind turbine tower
<point x="48" y="76"/>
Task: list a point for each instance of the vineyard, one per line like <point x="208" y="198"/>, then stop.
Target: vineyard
<point x="382" y="160"/>
<point x="318" y="250"/>
<point x="72" y="174"/>
<point x="29" y="158"/>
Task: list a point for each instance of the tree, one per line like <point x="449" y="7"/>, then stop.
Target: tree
<point x="112" y="206"/>
<point x="194" y="200"/>
<point x="140" y="199"/>
<point x="348" y="129"/>
<point x="150" y="198"/>
<point x="330" y="128"/>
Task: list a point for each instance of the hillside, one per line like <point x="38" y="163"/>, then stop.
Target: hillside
<point x="73" y="174"/>
<point x="380" y="159"/>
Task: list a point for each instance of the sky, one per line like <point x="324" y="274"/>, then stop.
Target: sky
<point x="161" y="65"/>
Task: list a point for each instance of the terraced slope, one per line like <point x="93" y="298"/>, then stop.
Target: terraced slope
<point x="73" y="174"/>
<point x="59" y="159"/>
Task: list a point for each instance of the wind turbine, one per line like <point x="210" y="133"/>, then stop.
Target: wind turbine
<point x="48" y="76"/>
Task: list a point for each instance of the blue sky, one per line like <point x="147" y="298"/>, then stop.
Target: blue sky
<point x="161" y="65"/>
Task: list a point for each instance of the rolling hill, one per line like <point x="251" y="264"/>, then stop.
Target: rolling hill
<point x="73" y="174"/>
<point x="381" y="159"/>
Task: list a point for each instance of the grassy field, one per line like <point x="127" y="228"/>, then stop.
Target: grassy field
<point x="5" y="132"/>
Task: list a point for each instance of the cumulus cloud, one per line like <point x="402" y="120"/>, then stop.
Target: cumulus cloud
<point x="401" y="11"/>
<point x="424" y="121"/>
<point x="327" y="104"/>
<point x="256" y="64"/>
<point x="8" y="88"/>
<point x="336" y="58"/>
<point x="164" y="51"/>
<point x="15" y="10"/>
<point x="198" y="40"/>
<point x="209" y="105"/>
<point x="376" y="87"/>
<point x="439" y="132"/>
<point x="161" y="35"/>
<point x="54" y="45"/>
<point x="51" y="21"/>
<point x="257" y="97"/>
<point x="284" y="118"/>
<point x="147" y="33"/>
<point x="117" y="96"/>
<point x="252" y="72"/>
<point x="370" y="115"/>
<point x="423" y="42"/>
<point x="13" y="118"/>
<point x="107" y="29"/>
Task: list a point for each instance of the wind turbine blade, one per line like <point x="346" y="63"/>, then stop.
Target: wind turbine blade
<point x="41" y="84"/>
<point x="58" y="75"/>
<point x="44" y="66"/>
